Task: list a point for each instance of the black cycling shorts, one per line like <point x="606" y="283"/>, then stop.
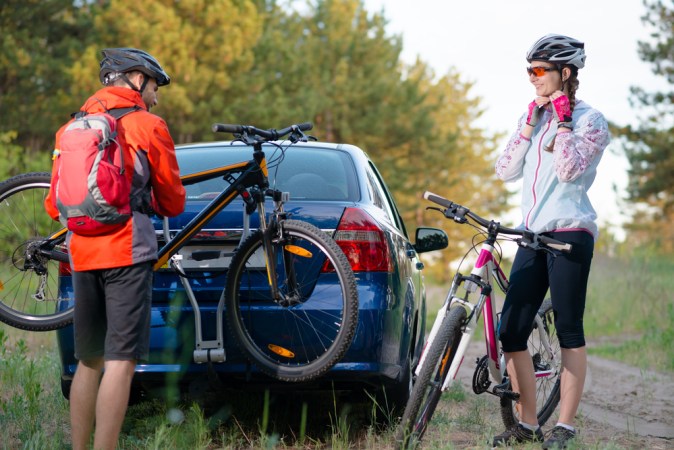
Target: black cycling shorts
<point x="112" y="313"/>
<point x="532" y="274"/>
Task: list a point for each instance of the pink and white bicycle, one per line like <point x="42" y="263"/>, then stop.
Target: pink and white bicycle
<point x="470" y="297"/>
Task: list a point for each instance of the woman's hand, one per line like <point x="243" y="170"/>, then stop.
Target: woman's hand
<point x="561" y="108"/>
<point x="542" y="101"/>
<point x="534" y="110"/>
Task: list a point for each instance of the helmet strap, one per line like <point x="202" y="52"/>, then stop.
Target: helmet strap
<point x="146" y="79"/>
<point x="131" y="85"/>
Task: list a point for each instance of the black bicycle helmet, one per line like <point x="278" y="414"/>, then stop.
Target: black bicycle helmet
<point x="122" y="60"/>
<point x="558" y="49"/>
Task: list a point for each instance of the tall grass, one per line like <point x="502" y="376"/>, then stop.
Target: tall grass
<point x="630" y="310"/>
<point x="33" y="413"/>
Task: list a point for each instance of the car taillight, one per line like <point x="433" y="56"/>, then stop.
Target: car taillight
<point x="65" y="269"/>
<point x="363" y="242"/>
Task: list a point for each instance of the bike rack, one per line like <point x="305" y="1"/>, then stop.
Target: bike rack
<point x="206" y="351"/>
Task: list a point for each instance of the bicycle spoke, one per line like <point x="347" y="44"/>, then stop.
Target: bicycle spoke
<point x="28" y="280"/>
<point x="312" y="318"/>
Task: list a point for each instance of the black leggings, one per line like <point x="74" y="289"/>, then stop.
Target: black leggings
<point x="532" y="273"/>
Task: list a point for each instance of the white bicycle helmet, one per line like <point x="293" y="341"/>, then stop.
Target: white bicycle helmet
<point x="558" y="49"/>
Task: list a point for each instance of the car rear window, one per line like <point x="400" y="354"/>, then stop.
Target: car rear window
<point x="308" y="173"/>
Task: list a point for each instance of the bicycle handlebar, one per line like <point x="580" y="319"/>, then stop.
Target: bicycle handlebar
<point x="458" y="213"/>
<point x="269" y="135"/>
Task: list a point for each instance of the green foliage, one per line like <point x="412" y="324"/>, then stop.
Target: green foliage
<point x="16" y="159"/>
<point x="631" y="307"/>
<point x="27" y="400"/>
<point x="203" y="46"/>
<point x="650" y="146"/>
<point x="39" y="40"/>
<point x="265" y="63"/>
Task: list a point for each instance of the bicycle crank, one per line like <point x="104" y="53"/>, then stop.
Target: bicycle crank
<point x="481" y="381"/>
<point x="503" y="391"/>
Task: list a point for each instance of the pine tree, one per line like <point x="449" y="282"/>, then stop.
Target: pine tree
<point x="650" y="146"/>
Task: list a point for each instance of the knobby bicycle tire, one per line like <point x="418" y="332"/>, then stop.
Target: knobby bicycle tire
<point x="29" y="297"/>
<point x="301" y="339"/>
<point x="427" y="387"/>
<point x="547" y="388"/>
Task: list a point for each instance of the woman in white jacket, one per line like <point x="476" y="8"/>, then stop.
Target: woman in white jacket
<point x="556" y="148"/>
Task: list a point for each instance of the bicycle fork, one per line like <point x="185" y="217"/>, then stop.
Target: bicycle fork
<point x="468" y="328"/>
<point x="471" y="284"/>
<point x="274" y="232"/>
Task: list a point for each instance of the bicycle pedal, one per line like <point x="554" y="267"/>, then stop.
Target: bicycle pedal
<point x="502" y="392"/>
<point x="508" y="395"/>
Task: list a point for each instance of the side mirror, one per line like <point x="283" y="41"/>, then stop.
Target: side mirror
<point x="429" y="239"/>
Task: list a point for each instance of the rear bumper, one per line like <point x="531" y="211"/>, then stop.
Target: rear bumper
<point x="375" y="357"/>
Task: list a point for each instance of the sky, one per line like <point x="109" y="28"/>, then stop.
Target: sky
<point x="486" y="42"/>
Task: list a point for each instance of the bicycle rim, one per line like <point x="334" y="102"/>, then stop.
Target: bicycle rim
<point x="29" y="297"/>
<point x="547" y="387"/>
<point x="426" y="392"/>
<point x="302" y="336"/>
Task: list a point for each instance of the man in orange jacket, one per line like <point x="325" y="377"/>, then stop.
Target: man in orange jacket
<point x="112" y="273"/>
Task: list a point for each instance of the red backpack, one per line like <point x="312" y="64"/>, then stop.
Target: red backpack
<point x="92" y="193"/>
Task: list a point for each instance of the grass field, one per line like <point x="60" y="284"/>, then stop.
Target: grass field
<point x="630" y="314"/>
<point x="630" y="311"/>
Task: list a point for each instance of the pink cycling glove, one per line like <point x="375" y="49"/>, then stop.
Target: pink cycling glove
<point x="561" y="110"/>
<point x="533" y="113"/>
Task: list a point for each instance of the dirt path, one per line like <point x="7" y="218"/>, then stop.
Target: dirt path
<point x="622" y="404"/>
<point x="629" y="399"/>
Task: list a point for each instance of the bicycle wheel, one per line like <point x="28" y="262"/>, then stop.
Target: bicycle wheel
<point x="303" y="336"/>
<point x="547" y="369"/>
<point x="426" y="392"/>
<point x="29" y="297"/>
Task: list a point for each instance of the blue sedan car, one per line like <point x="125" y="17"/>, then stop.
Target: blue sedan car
<point x="333" y="186"/>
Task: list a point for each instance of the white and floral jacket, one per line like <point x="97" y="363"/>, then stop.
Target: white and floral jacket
<point x="555" y="185"/>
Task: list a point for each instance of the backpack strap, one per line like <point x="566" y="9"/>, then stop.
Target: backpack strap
<point x="118" y="113"/>
<point x="137" y="203"/>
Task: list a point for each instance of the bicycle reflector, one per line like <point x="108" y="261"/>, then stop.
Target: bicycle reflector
<point x="299" y="251"/>
<point x="281" y="351"/>
<point x="363" y="242"/>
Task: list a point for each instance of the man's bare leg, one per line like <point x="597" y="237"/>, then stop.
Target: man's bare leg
<point x="112" y="402"/>
<point x="83" y="393"/>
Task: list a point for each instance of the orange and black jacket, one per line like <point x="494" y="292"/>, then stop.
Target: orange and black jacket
<point x="150" y="163"/>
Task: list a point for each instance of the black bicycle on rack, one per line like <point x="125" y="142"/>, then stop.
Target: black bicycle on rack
<point x="276" y="266"/>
